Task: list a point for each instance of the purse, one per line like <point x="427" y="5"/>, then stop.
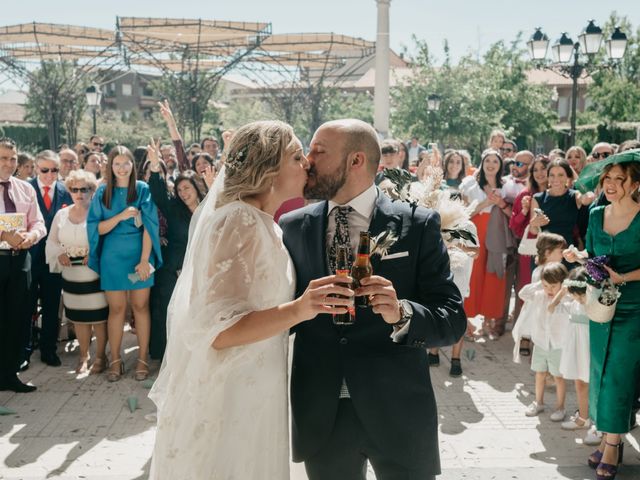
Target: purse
<point x="527" y="245"/>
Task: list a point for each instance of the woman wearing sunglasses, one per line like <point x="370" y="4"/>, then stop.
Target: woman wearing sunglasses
<point x="67" y="251"/>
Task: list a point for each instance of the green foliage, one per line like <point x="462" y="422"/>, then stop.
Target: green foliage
<point x="117" y="129"/>
<point x="57" y="99"/>
<point x="615" y="92"/>
<point x="28" y="138"/>
<point x="343" y="104"/>
<point x="292" y="108"/>
<point x="189" y="94"/>
<point x="245" y="110"/>
<point x="476" y="97"/>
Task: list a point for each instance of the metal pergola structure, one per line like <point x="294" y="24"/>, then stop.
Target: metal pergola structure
<point x="190" y="55"/>
<point x="297" y="68"/>
<point x="57" y="61"/>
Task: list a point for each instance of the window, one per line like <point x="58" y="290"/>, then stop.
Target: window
<point x="127" y="89"/>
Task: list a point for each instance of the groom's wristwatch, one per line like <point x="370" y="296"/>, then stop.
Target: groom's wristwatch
<point x="406" y="313"/>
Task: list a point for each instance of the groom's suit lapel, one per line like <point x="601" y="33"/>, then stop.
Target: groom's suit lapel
<point x="314" y="229"/>
<point x="383" y="219"/>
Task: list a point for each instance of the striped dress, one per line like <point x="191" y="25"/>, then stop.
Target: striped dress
<point x="83" y="300"/>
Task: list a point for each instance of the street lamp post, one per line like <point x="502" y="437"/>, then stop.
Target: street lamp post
<point x="565" y="49"/>
<point x="433" y="105"/>
<point x="94" y="95"/>
<point x="381" y="92"/>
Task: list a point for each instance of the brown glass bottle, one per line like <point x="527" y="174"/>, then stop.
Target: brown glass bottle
<point x="362" y="267"/>
<point x="342" y="269"/>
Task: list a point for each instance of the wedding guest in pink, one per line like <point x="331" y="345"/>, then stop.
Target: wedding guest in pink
<point x="16" y="197"/>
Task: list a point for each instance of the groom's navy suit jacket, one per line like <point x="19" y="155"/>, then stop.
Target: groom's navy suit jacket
<point x="389" y="382"/>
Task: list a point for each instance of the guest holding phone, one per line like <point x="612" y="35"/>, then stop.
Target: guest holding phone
<point x="124" y="250"/>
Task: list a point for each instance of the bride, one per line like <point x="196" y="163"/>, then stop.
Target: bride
<point x="222" y="389"/>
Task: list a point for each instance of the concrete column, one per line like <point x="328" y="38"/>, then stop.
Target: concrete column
<point x="381" y="92"/>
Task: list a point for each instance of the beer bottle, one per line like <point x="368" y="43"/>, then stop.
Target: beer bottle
<point x="362" y="267"/>
<point x="342" y="269"/>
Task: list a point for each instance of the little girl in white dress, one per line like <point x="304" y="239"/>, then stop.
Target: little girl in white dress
<point x="575" y="361"/>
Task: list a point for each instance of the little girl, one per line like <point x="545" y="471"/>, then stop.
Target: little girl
<point x="574" y="364"/>
<point x="550" y="247"/>
<point x="550" y="321"/>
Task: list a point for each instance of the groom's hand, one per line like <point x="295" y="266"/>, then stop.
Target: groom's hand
<point x="382" y="296"/>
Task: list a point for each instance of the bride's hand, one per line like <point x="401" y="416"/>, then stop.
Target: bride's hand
<point x="318" y="297"/>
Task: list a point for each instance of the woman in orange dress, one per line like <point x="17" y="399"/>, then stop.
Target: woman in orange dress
<point x="485" y="187"/>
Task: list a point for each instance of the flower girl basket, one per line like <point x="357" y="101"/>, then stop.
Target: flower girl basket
<point x="596" y="310"/>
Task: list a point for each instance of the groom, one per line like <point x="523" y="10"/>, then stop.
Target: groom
<point x="363" y="391"/>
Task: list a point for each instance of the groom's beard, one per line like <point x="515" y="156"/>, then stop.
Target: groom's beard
<point x="327" y="186"/>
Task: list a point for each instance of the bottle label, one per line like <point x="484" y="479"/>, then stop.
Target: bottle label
<point x="342" y="273"/>
<point x="363" y="256"/>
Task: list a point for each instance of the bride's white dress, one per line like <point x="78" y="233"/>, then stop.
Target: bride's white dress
<point x="223" y="414"/>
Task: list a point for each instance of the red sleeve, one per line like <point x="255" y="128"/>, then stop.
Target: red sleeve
<point x="519" y="221"/>
<point x="183" y="163"/>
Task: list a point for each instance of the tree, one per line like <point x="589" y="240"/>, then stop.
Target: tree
<point x="476" y="97"/>
<point x="57" y="99"/>
<point x="189" y="99"/>
<point x="615" y="92"/>
<point x="132" y="130"/>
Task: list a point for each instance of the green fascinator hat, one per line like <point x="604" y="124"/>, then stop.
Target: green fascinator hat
<point x="590" y="174"/>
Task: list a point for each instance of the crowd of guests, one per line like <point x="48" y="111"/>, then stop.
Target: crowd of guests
<point x="515" y="195"/>
<point x="102" y="234"/>
<point x="89" y="238"/>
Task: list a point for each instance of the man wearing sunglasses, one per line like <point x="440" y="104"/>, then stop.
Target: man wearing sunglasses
<point x="46" y="286"/>
<point x="601" y="151"/>
<point x="514" y="183"/>
<point x="96" y="143"/>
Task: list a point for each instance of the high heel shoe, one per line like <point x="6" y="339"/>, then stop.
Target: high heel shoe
<point x="594" y="459"/>
<point x="142" y="374"/>
<point x="114" y="375"/>
<point x="98" y="366"/>
<point x="609" y="471"/>
<point x="83" y="365"/>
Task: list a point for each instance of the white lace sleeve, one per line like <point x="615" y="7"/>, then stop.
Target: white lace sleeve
<point x="222" y="283"/>
<point x="53" y="248"/>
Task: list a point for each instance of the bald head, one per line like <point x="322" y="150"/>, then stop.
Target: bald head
<point x="357" y="136"/>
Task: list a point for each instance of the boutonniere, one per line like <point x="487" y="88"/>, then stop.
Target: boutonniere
<point x="381" y="243"/>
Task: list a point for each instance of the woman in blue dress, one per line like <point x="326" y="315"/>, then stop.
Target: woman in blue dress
<point x="124" y="243"/>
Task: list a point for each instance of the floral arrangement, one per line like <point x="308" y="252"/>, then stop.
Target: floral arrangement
<point x="75" y="252"/>
<point x="454" y="214"/>
<point x="599" y="278"/>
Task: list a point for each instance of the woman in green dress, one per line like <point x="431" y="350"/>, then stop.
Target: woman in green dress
<point x="615" y="357"/>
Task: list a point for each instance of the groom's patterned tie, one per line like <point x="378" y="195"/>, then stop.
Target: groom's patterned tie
<point x="340" y="237"/>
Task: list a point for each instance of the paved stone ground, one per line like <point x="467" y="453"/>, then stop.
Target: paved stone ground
<point x="81" y="427"/>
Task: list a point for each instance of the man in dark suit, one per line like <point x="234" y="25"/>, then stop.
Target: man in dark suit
<point x="47" y="286"/>
<point x="363" y="392"/>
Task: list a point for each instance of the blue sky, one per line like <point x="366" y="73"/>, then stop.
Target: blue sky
<point x="470" y="26"/>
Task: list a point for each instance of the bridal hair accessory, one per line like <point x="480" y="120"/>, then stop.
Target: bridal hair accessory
<point x="236" y="160"/>
<point x="575" y="283"/>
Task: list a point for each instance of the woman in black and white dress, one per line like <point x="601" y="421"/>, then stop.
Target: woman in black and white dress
<point x="66" y="251"/>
